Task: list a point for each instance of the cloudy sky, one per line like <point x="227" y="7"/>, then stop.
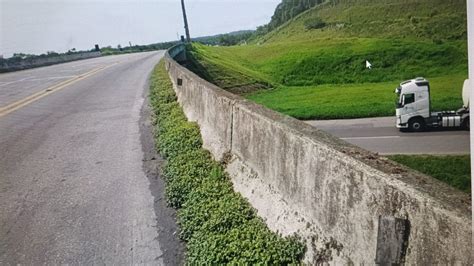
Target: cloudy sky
<point x="37" y="26"/>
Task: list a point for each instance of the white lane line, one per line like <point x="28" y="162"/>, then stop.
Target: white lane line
<point x="59" y="77"/>
<point x="29" y="79"/>
<point x="16" y="81"/>
<point x="380" y="137"/>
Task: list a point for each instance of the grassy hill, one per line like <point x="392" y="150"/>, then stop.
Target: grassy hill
<point x="313" y="66"/>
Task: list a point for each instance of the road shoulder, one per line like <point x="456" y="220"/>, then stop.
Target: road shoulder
<point x="173" y="248"/>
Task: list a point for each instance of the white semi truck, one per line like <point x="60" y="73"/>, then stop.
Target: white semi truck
<point x="414" y="108"/>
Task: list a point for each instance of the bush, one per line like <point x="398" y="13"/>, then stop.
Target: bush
<point x="414" y="20"/>
<point x="314" y="23"/>
<point x="219" y="225"/>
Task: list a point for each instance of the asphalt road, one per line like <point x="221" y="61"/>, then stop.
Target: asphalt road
<point x="78" y="173"/>
<point x="380" y="135"/>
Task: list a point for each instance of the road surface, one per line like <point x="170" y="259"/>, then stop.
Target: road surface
<point x="380" y="135"/>
<point x="78" y="177"/>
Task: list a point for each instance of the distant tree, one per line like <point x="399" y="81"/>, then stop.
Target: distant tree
<point x="314" y="23"/>
<point x="232" y="38"/>
<point x="51" y="53"/>
<point x="73" y="50"/>
<point x="22" y="55"/>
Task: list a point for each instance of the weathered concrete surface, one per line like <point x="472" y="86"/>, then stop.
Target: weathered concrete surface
<point x="302" y="180"/>
<point x="13" y="65"/>
<point x="207" y="105"/>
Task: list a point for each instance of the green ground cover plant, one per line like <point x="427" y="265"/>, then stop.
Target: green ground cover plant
<point x="218" y="225"/>
<point x="313" y="66"/>
<point x="454" y="170"/>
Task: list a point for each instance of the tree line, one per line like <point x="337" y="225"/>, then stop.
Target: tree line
<point x="285" y="11"/>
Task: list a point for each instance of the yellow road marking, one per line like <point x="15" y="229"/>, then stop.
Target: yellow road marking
<point x="36" y="96"/>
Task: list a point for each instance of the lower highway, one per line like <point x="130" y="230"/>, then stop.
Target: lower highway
<point x="380" y="135"/>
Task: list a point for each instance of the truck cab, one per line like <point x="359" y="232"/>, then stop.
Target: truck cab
<point x="413" y="104"/>
<point x="413" y="109"/>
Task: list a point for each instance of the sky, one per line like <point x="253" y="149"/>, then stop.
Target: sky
<point x="38" y="26"/>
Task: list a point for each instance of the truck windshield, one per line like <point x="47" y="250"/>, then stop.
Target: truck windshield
<point x="399" y="102"/>
<point x="405" y="99"/>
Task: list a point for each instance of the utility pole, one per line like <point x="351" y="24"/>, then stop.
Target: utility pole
<point x="186" y="27"/>
<point x="470" y="45"/>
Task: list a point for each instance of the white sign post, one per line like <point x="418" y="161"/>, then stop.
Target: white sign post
<point x="470" y="40"/>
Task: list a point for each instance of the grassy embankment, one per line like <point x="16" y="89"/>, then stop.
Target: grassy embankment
<point x="453" y="170"/>
<point x="320" y="73"/>
<point x="218" y="225"/>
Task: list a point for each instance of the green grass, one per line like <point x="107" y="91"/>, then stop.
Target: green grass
<point x="218" y="225"/>
<point x="321" y="74"/>
<point x="453" y="170"/>
<point x="353" y="100"/>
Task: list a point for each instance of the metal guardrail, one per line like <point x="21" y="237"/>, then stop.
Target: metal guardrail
<point x="177" y="51"/>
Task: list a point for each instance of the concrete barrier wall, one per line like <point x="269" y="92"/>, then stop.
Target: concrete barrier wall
<point x="8" y="65"/>
<point x="207" y="105"/>
<point x="303" y="181"/>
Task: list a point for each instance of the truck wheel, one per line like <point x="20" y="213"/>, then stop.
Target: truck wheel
<point x="466" y="125"/>
<point x="416" y="125"/>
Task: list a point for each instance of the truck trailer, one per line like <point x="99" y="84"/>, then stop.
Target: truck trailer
<point x="414" y="113"/>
